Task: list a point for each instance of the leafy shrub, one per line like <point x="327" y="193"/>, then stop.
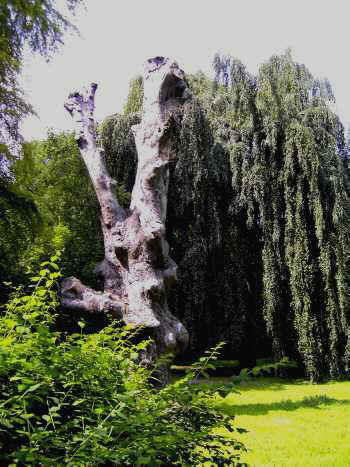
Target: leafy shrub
<point x="268" y="367"/>
<point x="85" y="400"/>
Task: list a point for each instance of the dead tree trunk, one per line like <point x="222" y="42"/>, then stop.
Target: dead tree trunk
<point x="137" y="268"/>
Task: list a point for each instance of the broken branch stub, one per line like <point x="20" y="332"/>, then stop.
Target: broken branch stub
<point x="137" y="268"/>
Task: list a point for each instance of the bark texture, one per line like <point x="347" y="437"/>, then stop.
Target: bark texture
<point x="137" y="268"/>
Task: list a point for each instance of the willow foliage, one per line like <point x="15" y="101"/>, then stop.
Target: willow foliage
<point x="289" y="178"/>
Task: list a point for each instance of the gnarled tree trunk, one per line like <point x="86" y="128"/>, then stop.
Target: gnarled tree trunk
<point x="137" y="268"/>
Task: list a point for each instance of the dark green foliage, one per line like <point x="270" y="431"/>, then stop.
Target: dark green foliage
<point x="266" y="367"/>
<point x="291" y="183"/>
<point x="216" y="368"/>
<point x="19" y="221"/>
<point x="119" y="146"/>
<point x="85" y="400"/>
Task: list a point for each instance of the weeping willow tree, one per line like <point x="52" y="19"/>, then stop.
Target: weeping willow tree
<point x="258" y="212"/>
<point x="288" y="165"/>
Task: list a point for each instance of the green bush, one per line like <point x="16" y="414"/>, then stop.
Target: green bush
<point x="85" y="400"/>
<point x="266" y="366"/>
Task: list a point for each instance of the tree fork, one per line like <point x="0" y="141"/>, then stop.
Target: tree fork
<point x="137" y="268"/>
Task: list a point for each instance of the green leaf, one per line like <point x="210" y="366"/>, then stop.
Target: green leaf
<point x="54" y="408"/>
<point x="34" y="387"/>
<point x="79" y="401"/>
<point x="6" y="423"/>
<point x="54" y="275"/>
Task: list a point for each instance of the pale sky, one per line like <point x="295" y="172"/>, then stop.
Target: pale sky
<point x="117" y="36"/>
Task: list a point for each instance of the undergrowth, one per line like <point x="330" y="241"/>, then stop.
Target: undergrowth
<point x="84" y="399"/>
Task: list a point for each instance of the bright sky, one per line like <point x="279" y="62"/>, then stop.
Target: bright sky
<point x="118" y="35"/>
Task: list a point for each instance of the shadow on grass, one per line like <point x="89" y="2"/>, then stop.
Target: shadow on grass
<point x="262" y="383"/>
<point x="251" y="384"/>
<point x="311" y="402"/>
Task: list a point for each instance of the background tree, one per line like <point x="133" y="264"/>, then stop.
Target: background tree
<point x="47" y="173"/>
<point x="290" y="181"/>
<point x="19" y="222"/>
<point x="40" y="26"/>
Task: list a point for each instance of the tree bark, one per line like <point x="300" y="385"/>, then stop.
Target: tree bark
<point x="137" y="268"/>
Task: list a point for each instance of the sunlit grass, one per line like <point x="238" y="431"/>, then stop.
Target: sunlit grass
<point x="292" y="423"/>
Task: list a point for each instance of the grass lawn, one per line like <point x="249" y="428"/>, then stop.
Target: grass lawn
<point x="292" y="422"/>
